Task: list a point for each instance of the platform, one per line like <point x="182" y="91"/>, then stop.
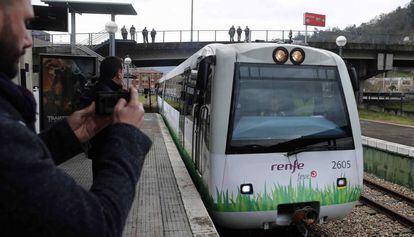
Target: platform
<point x="395" y="133"/>
<point x="166" y="201"/>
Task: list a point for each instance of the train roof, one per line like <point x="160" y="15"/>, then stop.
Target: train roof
<point x="241" y="49"/>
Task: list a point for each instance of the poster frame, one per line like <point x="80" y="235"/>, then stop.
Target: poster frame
<point x="41" y="77"/>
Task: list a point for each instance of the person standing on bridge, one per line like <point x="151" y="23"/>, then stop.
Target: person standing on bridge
<point x="153" y="33"/>
<point x="232" y="31"/>
<point x="132" y="31"/>
<point x="36" y="197"/>
<point x="239" y="33"/>
<point x="124" y="33"/>
<point x="145" y="35"/>
<point x="247" y="34"/>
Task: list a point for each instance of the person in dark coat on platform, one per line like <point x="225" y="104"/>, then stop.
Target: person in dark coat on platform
<point x="239" y="33"/>
<point x="247" y="34"/>
<point x="145" y="35"/>
<point x="36" y="197"/>
<point x="132" y="31"/>
<point x="124" y="33"/>
<point x="153" y="33"/>
<point x="110" y="79"/>
<point x="232" y="31"/>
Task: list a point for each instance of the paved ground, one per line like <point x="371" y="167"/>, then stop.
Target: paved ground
<point x="388" y="132"/>
<point x="158" y="209"/>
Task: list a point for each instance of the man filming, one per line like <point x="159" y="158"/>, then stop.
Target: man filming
<point x="36" y="197"/>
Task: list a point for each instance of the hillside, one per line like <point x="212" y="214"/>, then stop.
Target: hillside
<point x="393" y="27"/>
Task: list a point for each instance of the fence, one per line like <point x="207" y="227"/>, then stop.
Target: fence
<point x="397" y="103"/>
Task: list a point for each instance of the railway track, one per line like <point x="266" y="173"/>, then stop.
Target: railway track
<point x="386" y="200"/>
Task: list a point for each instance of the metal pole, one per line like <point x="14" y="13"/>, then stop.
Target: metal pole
<point x="127" y="76"/>
<point x="73" y="33"/>
<point x="306" y="34"/>
<point x="192" y="21"/>
<point x="149" y="90"/>
<point x="112" y="39"/>
<point x="340" y="51"/>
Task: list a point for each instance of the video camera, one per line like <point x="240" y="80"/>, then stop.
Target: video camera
<point x="106" y="101"/>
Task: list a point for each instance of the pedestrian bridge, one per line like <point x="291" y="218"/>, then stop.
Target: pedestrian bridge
<point x="365" y="57"/>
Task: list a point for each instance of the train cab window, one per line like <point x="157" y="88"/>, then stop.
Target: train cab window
<point x="280" y="107"/>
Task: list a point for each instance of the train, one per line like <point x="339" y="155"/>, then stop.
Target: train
<point x="269" y="132"/>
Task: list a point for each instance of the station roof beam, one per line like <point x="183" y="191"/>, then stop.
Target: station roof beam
<point x="92" y="7"/>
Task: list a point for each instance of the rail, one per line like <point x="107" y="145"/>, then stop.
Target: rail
<point x="405" y="220"/>
<point x="91" y="39"/>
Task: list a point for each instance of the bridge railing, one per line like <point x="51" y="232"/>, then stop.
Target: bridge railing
<point x="91" y="39"/>
<point x="398" y="103"/>
<point x="215" y="36"/>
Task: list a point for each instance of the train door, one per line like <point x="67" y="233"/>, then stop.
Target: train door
<point x="201" y="125"/>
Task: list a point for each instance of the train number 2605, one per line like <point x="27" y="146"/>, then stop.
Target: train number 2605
<point x="336" y="165"/>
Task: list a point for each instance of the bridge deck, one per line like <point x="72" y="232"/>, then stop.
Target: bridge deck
<point x="161" y="207"/>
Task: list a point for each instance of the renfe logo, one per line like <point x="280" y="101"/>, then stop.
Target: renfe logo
<point x="293" y="167"/>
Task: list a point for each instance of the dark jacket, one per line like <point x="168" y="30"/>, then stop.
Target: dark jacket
<point x="39" y="199"/>
<point x="88" y="96"/>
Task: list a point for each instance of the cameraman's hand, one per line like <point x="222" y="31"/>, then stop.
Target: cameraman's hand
<point x="85" y="124"/>
<point x="130" y="113"/>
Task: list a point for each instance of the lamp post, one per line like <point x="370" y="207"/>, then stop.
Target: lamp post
<point x="111" y="27"/>
<point x="341" y="42"/>
<point x="149" y="90"/>
<point x="127" y="62"/>
<point x="191" y="20"/>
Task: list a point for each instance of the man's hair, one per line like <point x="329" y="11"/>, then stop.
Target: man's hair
<point x="109" y="67"/>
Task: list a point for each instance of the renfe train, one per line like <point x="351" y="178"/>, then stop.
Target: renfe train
<point x="270" y="132"/>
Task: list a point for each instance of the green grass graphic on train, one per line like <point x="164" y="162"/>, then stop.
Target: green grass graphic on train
<point x="279" y="194"/>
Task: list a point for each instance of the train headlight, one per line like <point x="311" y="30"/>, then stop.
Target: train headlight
<point x="297" y="56"/>
<point x="341" y="182"/>
<point x="246" y="189"/>
<point x="280" y="55"/>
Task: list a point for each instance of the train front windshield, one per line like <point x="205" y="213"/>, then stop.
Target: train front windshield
<point x="280" y="108"/>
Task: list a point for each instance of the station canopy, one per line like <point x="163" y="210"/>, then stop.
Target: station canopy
<point x="93" y="7"/>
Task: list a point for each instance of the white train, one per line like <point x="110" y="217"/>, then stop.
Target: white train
<point x="270" y="132"/>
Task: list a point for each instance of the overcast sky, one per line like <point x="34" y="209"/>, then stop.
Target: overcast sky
<point x="257" y="14"/>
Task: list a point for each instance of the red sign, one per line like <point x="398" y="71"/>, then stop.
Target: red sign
<point x="313" y="19"/>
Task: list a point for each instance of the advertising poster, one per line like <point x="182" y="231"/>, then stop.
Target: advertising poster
<point x="313" y="19"/>
<point x="62" y="79"/>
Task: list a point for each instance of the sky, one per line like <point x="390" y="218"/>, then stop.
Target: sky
<point x="221" y="14"/>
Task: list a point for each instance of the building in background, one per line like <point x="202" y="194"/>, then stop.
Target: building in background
<point x="146" y="77"/>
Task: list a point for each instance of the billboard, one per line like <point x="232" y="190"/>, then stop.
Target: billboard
<point x="62" y="79"/>
<point x="49" y="18"/>
<point x="312" y="19"/>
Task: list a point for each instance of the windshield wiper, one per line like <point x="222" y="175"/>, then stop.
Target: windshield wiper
<point x="295" y="146"/>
